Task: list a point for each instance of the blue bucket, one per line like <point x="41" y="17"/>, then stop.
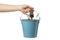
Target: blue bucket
<point x="30" y="28"/>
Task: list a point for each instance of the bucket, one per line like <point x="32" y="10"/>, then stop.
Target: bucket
<point x="30" y="28"/>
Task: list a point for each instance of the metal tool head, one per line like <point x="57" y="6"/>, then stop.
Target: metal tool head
<point x="31" y="13"/>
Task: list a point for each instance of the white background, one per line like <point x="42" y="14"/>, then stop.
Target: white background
<point x="49" y="27"/>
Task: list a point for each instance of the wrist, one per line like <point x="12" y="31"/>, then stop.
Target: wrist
<point x="18" y="7"/>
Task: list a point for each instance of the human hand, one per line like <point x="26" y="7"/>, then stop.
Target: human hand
<point x="24" y="8"/>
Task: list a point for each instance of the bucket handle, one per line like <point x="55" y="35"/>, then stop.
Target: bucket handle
<point x="25" y="14"/>
<point x="37" y="14"/>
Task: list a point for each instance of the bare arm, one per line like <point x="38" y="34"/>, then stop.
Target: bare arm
<point x="8" y="8"/>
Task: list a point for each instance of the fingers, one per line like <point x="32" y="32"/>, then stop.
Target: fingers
<point x="26" y="8"/>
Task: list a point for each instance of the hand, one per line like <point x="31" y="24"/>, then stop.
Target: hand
<point x="24" y="8"/>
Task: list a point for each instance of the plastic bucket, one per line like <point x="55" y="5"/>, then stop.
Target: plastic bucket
<point x="30" y="28"/>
